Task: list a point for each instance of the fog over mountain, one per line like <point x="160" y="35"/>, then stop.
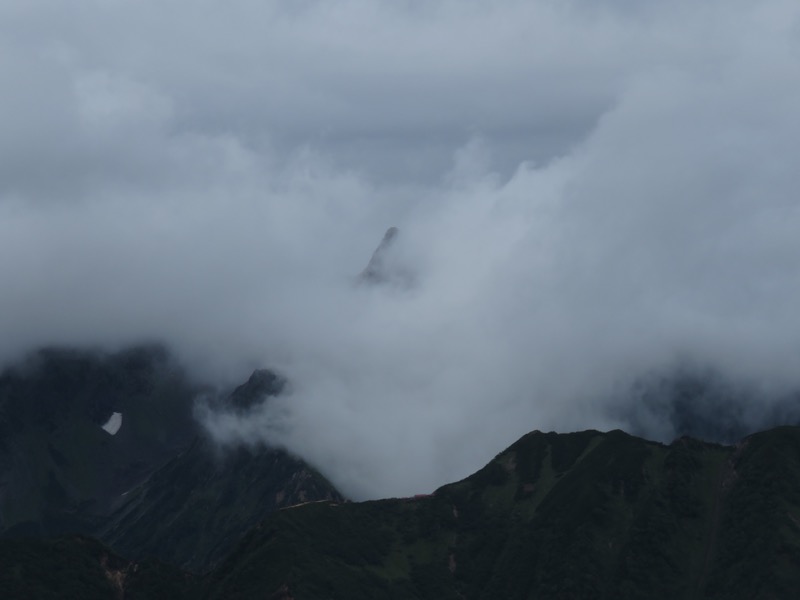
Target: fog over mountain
<point x="590" y="197"/>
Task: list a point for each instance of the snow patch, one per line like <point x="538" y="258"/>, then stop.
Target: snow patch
<point x="113" y="424"/>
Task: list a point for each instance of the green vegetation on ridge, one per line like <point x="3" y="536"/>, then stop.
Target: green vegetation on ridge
<point x="582" y="515"/>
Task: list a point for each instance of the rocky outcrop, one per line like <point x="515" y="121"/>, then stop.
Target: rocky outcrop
<point x="386" y="266"/>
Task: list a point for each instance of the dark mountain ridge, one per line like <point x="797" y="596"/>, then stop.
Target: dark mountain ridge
<point x="581" y="515"/>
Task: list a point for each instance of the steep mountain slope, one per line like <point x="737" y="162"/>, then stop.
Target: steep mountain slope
<point x="193" y="511"/>
<point x="581" y="515"/>
<point x="154" y="484"/>
<point x="386" y="266"/>
<point x="60" y="469"/>
<point x="584" y="515"/>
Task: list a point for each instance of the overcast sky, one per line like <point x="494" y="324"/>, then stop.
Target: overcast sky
<point x="587" y="193"/>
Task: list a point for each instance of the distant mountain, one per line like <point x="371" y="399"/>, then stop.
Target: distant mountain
<point x="385" y="266"/>
<point x="704" y="404"/>
<point x="192" y="511"/>
<point x="107" y="445"/>
<point x="582" y="515"/>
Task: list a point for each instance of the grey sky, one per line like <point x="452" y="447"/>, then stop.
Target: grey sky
<point x="587" y="192"/>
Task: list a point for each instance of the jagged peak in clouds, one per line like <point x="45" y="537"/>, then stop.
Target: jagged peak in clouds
<point x="386" y="266"/>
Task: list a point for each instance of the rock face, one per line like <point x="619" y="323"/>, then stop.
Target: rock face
<point x="107" y="445"/>
<point x="192" y="511"/>
<point x="376" y="268"/>
<point x="385" y="267"/>
<point x="78" y="428"/>
<point x="262" y="384"/>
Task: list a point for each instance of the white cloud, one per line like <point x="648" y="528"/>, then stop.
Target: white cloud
<point x="587" y="193"/>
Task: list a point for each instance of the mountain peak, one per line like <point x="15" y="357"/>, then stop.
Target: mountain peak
<point x="384" y="267"/>
<point x="262" y="383"/>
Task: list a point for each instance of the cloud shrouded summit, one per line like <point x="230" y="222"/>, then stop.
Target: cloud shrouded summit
<point x="589" y="195"/>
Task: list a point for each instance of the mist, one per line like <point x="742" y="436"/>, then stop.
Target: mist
<point x="588" y="196"/>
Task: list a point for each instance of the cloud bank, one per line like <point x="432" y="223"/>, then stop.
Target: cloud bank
<point x="588" y="195"/>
